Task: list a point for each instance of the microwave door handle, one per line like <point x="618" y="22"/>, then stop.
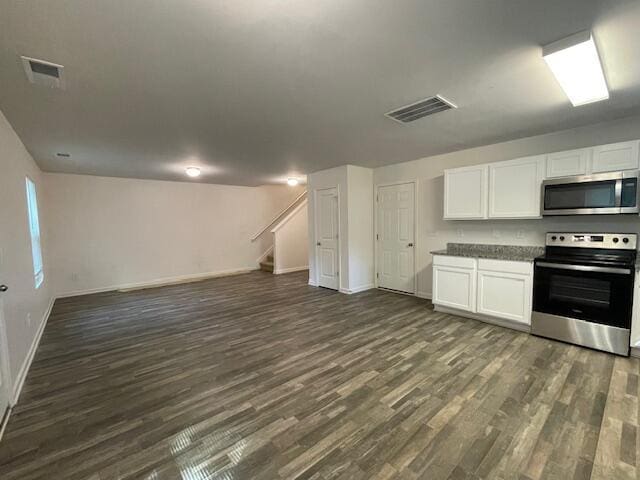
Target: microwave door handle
<point x="618" y="192"/>
<point x="584" y="268"/>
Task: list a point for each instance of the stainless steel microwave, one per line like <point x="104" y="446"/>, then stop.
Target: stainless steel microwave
<point x="604" y="193"/>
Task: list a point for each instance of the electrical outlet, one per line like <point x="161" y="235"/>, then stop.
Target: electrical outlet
<point x="520" y="234"/>
<point x="29" y="319"/>
<point x="74" y="277"/>
<point x="460" y="232"/>
<point x="495" y="233"/>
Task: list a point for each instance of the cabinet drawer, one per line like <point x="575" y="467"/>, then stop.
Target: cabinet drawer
<point x="506" y="266"/>
<point x="450" y="261"/>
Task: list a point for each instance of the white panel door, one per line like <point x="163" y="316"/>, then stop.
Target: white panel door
<point x="505" y="295"/>
<point x="514" y="188"/>
<point x="616" y="156"/>
<point x="4" y="365"/>
<point x="454" y="287"/>
<point x="465" y="193"/>
<point x="395" y="238"/>
<point x="327" y="237"/>
<point x="566" y="164"/>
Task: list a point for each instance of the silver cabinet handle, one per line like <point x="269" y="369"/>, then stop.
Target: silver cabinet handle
<point x="410" y="245"/>
<point x="3" y="288"/>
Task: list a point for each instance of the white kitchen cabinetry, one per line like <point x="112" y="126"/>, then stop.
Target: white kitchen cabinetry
<point x="571" y="162"/>
<point x="615" y="157"/>
<point x="635" y="318"/>
<point x="505" y="290"/>
<point x="514" y="188"/>
<point x="489" y="290"/>
<point x="454" y="282"/>
<point x="465" y="193"/>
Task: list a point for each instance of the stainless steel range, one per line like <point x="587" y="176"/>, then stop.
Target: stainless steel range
<point x="583" y="290"/>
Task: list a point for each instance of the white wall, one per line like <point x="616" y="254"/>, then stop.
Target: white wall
<point x="360" y="235"/>
<point x="291" y="252"/>
<point x="109" y="232"/>
<point x="433" y="232"/>
<point x="25" y="307"/>
<point x="355" y="197"/>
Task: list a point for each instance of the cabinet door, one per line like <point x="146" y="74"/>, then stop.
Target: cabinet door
<point x="565" y="164"/>
<point x="616" y="156"/>
<point x="505" y="295"/>
<point x="454" y="287"/>
<point x="465" y="193"/>
<point x="635" y="319"/>
<point x="514" y="188"/>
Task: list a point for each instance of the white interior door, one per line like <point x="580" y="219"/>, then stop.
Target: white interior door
<point x="4" y="365"/>
<point x="395" y="238"/>
<point x="327" y="237"/>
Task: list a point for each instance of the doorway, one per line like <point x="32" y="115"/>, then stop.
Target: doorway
<point x="395" y="237"/>
<point x="5" y="388"/>
<point x="327" y="247"/>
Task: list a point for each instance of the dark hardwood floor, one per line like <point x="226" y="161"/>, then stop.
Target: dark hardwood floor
<point x="263" y="377"/>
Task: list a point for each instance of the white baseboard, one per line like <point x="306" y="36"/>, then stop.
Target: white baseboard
<point x="24" y="369"/>
<point x="362" y="288"/>
<point x="312" y="283"/>
<point x="291" y="269"/>
<point x="160" y="282"/>
<point x="485" y="318"/>
<point x="635" y="352"/>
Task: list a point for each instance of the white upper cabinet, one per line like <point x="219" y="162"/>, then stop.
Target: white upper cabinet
<point x="514" y="188"/>
<point x="571" y="162"/>
<point x="465" y="193"/>
<point x="615" y="157"/>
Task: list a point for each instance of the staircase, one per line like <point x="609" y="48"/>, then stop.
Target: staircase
<point x="267" y="264"/>
<point x="288" y="231"/>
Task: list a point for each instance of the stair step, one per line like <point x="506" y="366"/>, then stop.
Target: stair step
<point x="266" y="266"/>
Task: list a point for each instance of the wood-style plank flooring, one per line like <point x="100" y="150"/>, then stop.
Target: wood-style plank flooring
<point x="264" y="377"/>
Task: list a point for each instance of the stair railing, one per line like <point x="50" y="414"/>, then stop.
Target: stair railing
<point x="298" y="199"/>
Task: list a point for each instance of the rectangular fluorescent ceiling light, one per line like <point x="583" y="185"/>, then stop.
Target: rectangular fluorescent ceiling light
<point x="576" y="65"/>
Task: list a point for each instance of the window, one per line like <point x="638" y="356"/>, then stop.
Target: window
<point x="34" y="230"/>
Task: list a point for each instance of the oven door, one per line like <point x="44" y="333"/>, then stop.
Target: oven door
<point x="595" y="294"/>
<point x="607" y="193"/>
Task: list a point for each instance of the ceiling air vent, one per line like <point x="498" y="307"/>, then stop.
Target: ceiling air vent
<point x="415" y="111"/>
<point x="44" y="73"/>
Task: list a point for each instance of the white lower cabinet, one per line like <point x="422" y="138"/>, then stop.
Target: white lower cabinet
<point x="491" y="288"/>
<point x="505" y="290"/>
<point x="454" y="282"/>
<point x="635" y="319"/>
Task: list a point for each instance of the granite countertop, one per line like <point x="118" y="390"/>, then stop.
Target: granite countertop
<point x="513" y="253"/>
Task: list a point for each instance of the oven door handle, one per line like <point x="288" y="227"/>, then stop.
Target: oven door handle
<point x="584" y="268"/>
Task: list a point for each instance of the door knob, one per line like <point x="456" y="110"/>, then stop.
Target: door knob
<point x="3" y="288"/>
<point x="318" y="244"/>
<point x="410" y="245"/>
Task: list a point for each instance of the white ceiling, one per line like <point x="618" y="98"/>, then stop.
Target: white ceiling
<point x="254" y="91"/>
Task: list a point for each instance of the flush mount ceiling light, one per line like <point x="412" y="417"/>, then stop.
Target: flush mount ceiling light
<point x="576" y="65"/>
<point x="292" y="182"/>
<point x="192" y="171"/>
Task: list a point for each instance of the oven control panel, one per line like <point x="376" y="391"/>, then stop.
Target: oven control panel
<point x="620" y="241"/>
